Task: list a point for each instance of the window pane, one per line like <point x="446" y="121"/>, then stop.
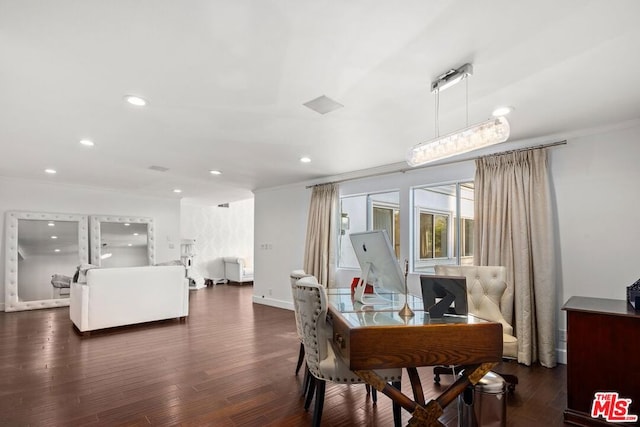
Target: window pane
<point x="388" y="219"/>
<point x="385" y="211"/>
<point x="426" y="236"/>
<point x="468" y="237"/>
<point x="440" y="236"/>
<point x="434" y="230"/>
<point x="367" y="212"/>
<point x="355" y="209"/>
<point x="383" y="220"/>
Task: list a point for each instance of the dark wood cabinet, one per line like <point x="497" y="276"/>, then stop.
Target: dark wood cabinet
<point x="603" y="355"/>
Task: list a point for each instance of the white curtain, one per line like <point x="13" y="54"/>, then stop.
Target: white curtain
<point x="321" y="230"/>
<point x="514" y="224"/>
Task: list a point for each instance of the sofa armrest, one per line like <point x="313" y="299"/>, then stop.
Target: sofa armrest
<point x="79" y="298"/>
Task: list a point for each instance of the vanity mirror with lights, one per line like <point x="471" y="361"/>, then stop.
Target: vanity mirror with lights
<point x="42" y="252"/>
<point x="122" y="241"/>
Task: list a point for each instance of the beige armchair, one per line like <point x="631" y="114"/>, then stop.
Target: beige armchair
<point x="323" y="364"/>
<point x="489" y="297"/>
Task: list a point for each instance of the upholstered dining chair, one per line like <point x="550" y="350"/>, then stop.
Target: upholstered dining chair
<point x="489" y="297"/>
<point x="294" y="276"/>
<point x="322" y="362"/>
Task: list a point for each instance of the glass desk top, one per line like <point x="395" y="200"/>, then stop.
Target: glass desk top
<point x="382" y="310"/>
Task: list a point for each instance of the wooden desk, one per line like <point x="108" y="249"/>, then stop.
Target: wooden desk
<point x="376" y="337"/>
<point x="602" y="355"/>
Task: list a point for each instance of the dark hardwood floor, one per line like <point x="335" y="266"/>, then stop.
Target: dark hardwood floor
<point x="231" y="364"/>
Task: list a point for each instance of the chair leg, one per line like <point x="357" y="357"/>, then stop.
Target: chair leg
<point x="374" y="395"/>
<point x="300" y="358"/>
<point x="511" y="381"/>
<point x="440" y="370"/>
<point x="317" y="411"/>
<point x="306" y="382"/>
<point x="444" y="370"/>
<point x="397" y="409"/>
<point x="310" y="390"/>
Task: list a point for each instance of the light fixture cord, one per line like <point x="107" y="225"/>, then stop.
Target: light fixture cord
<point x="437" y="112"/>
<point x="467" y="85"/>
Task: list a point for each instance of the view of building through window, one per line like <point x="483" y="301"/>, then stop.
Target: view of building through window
<point x="436" y="237"/>
<point x="442" y="229"/>
<point x="376" y="211"/>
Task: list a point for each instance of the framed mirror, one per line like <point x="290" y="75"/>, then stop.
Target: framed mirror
<point x="42" y="252"/>
<point x="122" y="241"/>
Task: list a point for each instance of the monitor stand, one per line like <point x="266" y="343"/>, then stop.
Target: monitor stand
<point x="360" y="296"/>
<point x="438" y="310"/>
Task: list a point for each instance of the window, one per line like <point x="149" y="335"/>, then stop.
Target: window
<point x="434" y="232"/>
<point x="388" y="218"/>
<point x="375" y="211"/>
<point x="466" y="239"/>
<point x="439" y="212"/>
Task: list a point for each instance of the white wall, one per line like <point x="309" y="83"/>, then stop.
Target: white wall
<point x="280" y="229"/>
<point x="39" y="196"/>
<point x="594" y="180"/>
<point x="218" y="232"/>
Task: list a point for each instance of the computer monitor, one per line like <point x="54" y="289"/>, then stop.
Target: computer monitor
<point x="378" y="263"/>
<point x="444" y="295"/>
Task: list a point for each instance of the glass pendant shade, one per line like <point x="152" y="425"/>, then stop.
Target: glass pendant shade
<point x="480" y="135"/>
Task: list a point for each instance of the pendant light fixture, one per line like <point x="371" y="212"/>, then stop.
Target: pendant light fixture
<point x="492" y="131"/>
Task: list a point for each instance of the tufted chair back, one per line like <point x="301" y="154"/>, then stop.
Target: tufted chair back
<point x="294" y="276"/>
<point x="489" y="297"/>
<point x="487" y="289"/>
<point x="321" y="360"/>
<point x="323" y="364"/>
<point x="311" y="301"/>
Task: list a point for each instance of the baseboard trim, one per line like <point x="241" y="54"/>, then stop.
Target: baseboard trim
<point x="273" y="302"/>
<point x="561" y="354"/>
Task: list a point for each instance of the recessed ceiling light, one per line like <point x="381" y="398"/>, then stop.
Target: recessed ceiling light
<point x="136" y="234"/>
<point x="502" y="111"/>
<point x="51" y="224"/>
<point x="50" y="171"/>
<point x="126" y="224"/>
<point x="87" y="142"/>
<point x="56" y="250"/>
<point x="129" y="244"/>
<point x="215" y="172"/>
<point x="177" y="190"/>
<point x="54" y="237"/>
<point x="305" y="159"/>
<point x="135" y="100"/>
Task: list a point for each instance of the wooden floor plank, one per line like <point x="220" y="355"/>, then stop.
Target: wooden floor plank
<point x="230" y="364"/>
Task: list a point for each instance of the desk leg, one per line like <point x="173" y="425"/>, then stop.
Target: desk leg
<point x="416" y="386"/>
<point x="472" y="374"/>
<point x="426" y="415"/>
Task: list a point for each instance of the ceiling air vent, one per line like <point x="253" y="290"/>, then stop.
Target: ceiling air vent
<point x="223" y="205"/>
<point x="323" y="105"/>
<point x="158" y="168"/>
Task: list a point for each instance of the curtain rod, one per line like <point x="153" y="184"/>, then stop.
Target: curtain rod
<point x="450" y="162"/>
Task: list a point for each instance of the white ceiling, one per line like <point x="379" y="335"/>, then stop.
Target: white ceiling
<point x="226" y="81"/>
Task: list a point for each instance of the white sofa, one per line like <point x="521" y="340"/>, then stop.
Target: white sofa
<point x="128" y="295"/>
<point x="235" y="270"/>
